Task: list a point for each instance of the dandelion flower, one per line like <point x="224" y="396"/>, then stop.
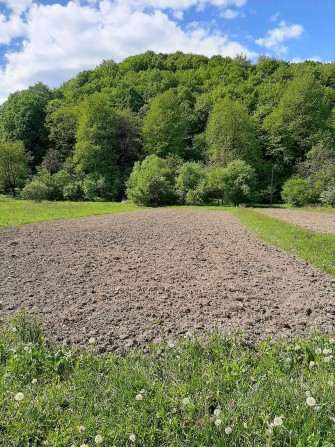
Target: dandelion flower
<point x="330" y="383"/>
<point x="91" y="340"/>
<point x="14" y="329"/>
<point x="217" y="411"/>
<point x="310" y="401"/>
<point x="228" y="430"/>
<point x="188" y="334"/>
<point x="245" y="425"/>
<point x="278" y="421"/>
<point x="186" y="400"/>
<point x="132" y="438"/>
<point x="297" y="348"/>
<point x="34" y="381"/>
<point x="98" y="439"/>
<point x="139" y="397"/>
<point x="171" y="345"/>
<point x="317" y="408"/>
<point x="81" y="428"/>
<point x="331" y="341"/>
<point x="327" y="359"/>
<point x="308" y="393"/>
<point x="19" y="397"/>
<point x="318" y="351"/>
<point x="218" y="422"/>
<point x="142" y="391"/>
<point x="327" y="351"/>
<point x="311" y="364"/>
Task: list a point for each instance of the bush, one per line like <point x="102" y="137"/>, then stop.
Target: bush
<point x="35" y="190"/>
<point x="239" y="180"/>
<point x="191" y="176"/>
<point x="327" y="196"/>
<point x="151" y="183"/>
<point x="73" y="192"/>
<point x="299" y="192"/>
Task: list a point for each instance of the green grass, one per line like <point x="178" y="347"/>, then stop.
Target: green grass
<point x="70" y="397"/>
<point x="18" y="212"/>
<point x="316" y="248"/>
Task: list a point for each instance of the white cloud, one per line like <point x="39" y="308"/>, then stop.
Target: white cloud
<point x="276" y="37"/>
<point x="229" y="14"/>
<point x="274" y="17"/>
<point x="11" y="27"/>
<point x="179" y="15"/>
<point x="298" y="60"/>
<point x="60" y="40"/>
<point x="18" y="6"/>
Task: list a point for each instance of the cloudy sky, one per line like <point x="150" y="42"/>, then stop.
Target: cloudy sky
<point x="52" y="40"/>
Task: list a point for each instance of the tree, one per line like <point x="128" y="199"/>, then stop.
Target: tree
<point x="191" y="175"/>
<point x="299" y="192"/>
<point x="216" y="183"/>
<point x="165" y="126"/>
<point x="22" y="118"/>
<point x="230" y="134"/>
<point x="239" y="183"/>
<point x="151" y="183"/>
<point x="13" y="164"/>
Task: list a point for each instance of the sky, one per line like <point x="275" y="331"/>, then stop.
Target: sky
<point x="52" y="40"/>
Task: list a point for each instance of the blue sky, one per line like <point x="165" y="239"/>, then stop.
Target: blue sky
<point x="52" y="40"/>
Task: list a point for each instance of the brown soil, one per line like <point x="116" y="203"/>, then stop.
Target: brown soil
<point x="127" y="279"/>
<point x="320" y="222"/>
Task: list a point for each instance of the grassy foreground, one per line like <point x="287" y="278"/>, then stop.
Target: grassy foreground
<point x="18" y="212"/>
<point x="316" y="248"/>
<point x="186" y="393"/>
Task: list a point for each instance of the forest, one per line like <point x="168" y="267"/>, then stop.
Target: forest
<point x="178" y="128"/>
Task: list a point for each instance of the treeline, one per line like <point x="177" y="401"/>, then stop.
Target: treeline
<point x="190" y="127"/>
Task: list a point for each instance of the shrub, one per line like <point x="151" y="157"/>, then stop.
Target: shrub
<point x="151" y="183"/>
<point x="239" y="183"/>
<point x="73" y="192"/>
<point x="35" y="190"/>
<point x="190" y="177"/>
<point x="327" y="196"/>
<point x="299" y="192"/>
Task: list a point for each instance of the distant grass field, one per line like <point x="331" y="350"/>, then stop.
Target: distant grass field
<point x="18" y="212"/>
<point x="186" y="393"/>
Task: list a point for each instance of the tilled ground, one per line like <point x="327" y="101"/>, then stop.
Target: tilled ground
<point x="320" y="222"/>
<point x="128" y="279"/>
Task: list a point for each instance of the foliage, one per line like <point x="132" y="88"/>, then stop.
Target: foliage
<point x="35" y="190"/>
<point x="183" y="392"/>
<point x="190" y="177"/>
<point x="299" y="192"/>
<point x="327" y="196"/>
<point x="217" y="183"/>
<point x="230" y="134"/>
<point x="13" y="164"/>
<point x="151" y="183"/>
<point x="239" y="183"/>
<point x="73" y="191"/>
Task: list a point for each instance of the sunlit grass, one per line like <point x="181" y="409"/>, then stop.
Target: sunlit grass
<point x="18" y="212"/>
<point x="214" y="392"/>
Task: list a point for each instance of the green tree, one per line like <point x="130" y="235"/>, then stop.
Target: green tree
<point x="151" y="183"/>
<point x="239" y="183"/>
<point x="22" y="118"/>
<point x="165" y="126"/>
<point x="299" y="192"/>
<point x="230" y="134"/>
<point x="13" y="164"/>
<point x="191" y="175"/>
<point x="216" y="183"/>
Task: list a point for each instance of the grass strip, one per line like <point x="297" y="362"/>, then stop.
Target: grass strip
<point x="217" y="392"/>
<point x="317" y="249"/>
<point x="19" y="212"/>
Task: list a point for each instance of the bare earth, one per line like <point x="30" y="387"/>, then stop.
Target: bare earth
<point x="320" y="222"/>
<point x="127" y="279"/>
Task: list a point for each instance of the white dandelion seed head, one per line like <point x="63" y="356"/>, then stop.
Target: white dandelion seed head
<point x="297" y="348"/>
<point x="228" y="430"/>
<point x="91" y="340"/>
<point x="218" y="422"/>
<point x="330" y="383"/>
<point x="186" y="400"/>
<point x="278" y="421"/>
<point x="132" y="438"/>
<point x="188" y="334"/>
<point x="288" y="359"/>
<point x="317" y="408"/>
<point x="98" y="439"/>
<point x="139" y="397"/>
<point x="34" y="381"/>
<point x="171" y="345"/>
<point x="318" y="351"/>
<point x="142" y="391"/>
<point x="174" y="410"/>
<point x="310" y="401"/>
<point x="245" y="425"/>
<point x="19" y="397"/>
<point x="327" y="359"/>
<point x="311" y="364"/>
<point x="14" y="329"/>
<point x="332" y="341"/>
<point x="327" y="351"/>
<point x="81" y="428"/>
<point x="308" y="393"/>
<point x="217" y="411"/>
